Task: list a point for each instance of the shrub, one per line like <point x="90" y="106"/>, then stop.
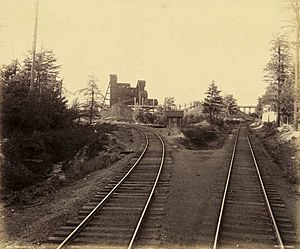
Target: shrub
<point x="200" y="136"/>
<point x="15" y="175"/>
<point x="30" y="156"/>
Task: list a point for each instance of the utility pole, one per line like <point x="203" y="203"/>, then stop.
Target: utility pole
<point x="296" y="87"/>
<point x="295" y="7"/>
<point x="34" y="45"/>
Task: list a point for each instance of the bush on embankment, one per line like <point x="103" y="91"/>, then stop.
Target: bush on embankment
<point x="211" y="136"/>
<point x="199" y="137"/>
<point x="29" y="157"/>
<point x="282" y="151"/>
<point x="38" y="127"/>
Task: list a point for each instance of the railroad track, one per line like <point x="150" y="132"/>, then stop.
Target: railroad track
<point x="127" y="211"/>
<point x="252" y="215"/>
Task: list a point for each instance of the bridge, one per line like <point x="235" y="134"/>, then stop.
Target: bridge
<point x="244" y="108"/>
<point x="248" y="109"/>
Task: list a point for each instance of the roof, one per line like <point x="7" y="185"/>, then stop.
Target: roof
<point x="174" y="114"/>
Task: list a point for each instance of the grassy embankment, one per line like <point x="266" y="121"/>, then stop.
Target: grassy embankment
<point x="283" y="149"/>
<point x="61" y="158"/>
<point x="211" y="136"/>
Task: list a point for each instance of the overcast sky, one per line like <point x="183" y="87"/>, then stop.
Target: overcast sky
<point x="177" y="46"/>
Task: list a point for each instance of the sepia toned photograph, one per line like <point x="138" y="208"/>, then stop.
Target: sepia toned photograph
<point x="149" y="124"/>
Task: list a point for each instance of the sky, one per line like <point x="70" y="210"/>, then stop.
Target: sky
<point x="177" y="46"/>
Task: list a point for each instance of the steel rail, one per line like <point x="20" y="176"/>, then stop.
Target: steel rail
<point x="99" y="205"/>
<point x="278" y="236"/>
<point x="225" y="191"/>
<point x="150" y="195"/>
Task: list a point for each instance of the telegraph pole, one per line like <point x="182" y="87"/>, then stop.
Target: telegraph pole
<point x="296" y="87"/>
<point x="34" y="45"/>
<point x="295" y="7"/>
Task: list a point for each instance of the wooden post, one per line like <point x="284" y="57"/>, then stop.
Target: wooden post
<point x="34" y="45"/>
<point x="295" y="6"/>
<point x="296" y="87"/>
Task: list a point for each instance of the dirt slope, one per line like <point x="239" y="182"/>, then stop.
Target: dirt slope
<point x="29" y="226"/>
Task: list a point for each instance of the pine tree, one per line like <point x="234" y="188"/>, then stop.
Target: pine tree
<point x="213" y="102"/>
<point x="279" y="77"/>
<point x="93" y="99"/>
<point x="37" y="110"/>
<point x="230" y="104"/>
<point x="259" y="107"/>
<point x="46" y="75"/>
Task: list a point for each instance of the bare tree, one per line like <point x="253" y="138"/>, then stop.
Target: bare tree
<point x="169" y="104"/>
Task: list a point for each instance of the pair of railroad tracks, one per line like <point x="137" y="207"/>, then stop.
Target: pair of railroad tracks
<point x="252" y="215"/>
<point x="116" y="214"/>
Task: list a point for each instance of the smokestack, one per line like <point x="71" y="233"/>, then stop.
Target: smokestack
<point x="113" y="78"/>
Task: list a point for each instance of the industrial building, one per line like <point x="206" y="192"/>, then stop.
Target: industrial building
<point x="125" y="94"/>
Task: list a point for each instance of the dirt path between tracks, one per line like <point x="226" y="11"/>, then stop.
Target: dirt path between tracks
<point x="193" y="203"/>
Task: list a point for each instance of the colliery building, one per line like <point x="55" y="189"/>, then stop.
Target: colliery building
<point x="125" y="94"/>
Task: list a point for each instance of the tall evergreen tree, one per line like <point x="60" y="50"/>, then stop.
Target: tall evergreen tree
<point x="93" y="99"/>
<point x="46" y="75"/>
<point x="230" y="103"/>
<point x="34" y="123"/>
<point x="278" y="75"/>
<point x="26" y="110"/>
<point x="213" y="102"/>
<point x="259" y="107"/>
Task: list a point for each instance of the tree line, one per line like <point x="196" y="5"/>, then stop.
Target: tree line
<point x="282" y="72"/>
<point x="214" y="103"/>
<point x="39" y="127"/>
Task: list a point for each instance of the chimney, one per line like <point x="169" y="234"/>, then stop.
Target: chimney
<point x="113" y="78"/>
<point x="141" y="85"/>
